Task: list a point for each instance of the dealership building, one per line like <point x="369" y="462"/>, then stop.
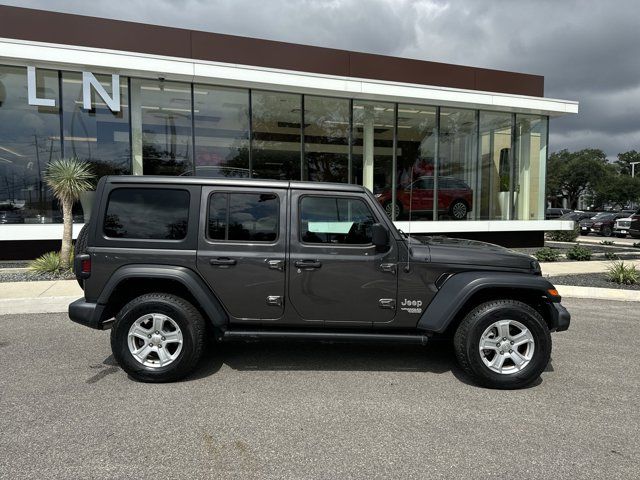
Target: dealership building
<point x="148" y="100"/>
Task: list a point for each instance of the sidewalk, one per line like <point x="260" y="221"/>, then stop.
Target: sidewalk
<point x="38" y="297"/>
<point x="574" y="268"/>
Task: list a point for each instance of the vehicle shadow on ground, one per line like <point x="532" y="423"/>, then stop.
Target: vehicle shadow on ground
<point x="438" y="357"/>
<point x="298" y="356"/>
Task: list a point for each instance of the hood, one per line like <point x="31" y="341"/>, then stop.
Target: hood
<point x="439" y="249"/>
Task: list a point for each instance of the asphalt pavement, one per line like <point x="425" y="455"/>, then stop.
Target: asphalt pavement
<point x="298" y="411"/>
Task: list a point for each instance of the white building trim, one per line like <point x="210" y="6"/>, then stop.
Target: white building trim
<point x="53" y="231"/>
<point x="97" y="60"/>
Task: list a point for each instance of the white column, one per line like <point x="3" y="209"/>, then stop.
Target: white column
<point x="136" y="127"/>
<point x="367" y="147"/>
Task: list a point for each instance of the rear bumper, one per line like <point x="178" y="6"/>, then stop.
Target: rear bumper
<point x="560" y="318"/>
<point x="88" y="314"/>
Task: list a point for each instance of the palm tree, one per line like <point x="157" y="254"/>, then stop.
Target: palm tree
<point x="67" y="178"/>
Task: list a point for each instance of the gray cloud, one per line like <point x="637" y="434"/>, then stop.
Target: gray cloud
<point x="586" y="49"/>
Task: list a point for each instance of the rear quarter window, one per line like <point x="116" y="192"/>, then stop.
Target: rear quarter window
<point x="147" y="213"/>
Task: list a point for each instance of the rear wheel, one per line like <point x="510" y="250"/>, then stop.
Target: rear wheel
<point x="158" y="337"/>
<point x="503" y="344"/>
<point x="606" y="231"/>
<point x="459" y="210"/>
<point x="79" y="248"/>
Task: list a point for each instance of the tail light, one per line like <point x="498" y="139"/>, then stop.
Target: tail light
<point x="83" y="265"/>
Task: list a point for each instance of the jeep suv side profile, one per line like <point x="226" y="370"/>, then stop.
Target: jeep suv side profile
<point x="168" y="262"/>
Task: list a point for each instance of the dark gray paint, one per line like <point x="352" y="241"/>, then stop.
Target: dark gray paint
<point x="353" y="287"/>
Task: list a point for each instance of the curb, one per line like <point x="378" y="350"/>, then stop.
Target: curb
<point x="570" y="291"/>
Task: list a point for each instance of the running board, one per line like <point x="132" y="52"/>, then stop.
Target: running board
<point x="347" y="337"/>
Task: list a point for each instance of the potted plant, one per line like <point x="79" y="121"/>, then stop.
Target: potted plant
<point x="68" y="178"/>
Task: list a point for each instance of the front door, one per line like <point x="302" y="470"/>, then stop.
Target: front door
<point x="336" y="273"/>
<point x="242" y="252"/>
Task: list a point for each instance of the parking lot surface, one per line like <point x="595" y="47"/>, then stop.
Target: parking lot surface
<point x="297" y="411"/>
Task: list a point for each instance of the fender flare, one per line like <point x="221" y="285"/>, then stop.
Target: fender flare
<point x="188" y="278"/>
<point x="459" y="288"/>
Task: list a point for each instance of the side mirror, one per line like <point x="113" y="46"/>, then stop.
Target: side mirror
<point x="379" y="235"/>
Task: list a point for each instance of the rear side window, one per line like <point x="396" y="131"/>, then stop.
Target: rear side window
<point x="147" y="213"/>
<point x="335" y="220"/>
<point x="243" y="217"/>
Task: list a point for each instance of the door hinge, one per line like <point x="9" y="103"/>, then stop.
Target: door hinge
<point x="389" y="303"/>
<point x="388" y="267"/>
<point x="274" y="300"/>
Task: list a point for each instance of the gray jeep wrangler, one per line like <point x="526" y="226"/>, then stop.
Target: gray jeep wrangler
<point x="167" y="263"/>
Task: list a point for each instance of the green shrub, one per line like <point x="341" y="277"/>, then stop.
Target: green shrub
<point x="606" y="242"/>
<point x="564" y="235"/>
<point x="611" y="256"/>
<point x="636" y="244"/>
<point x="623" y="274"/>
<point x="47" y="263"/>
<point x="547" y="254"/>
<point x="579" y="253"/>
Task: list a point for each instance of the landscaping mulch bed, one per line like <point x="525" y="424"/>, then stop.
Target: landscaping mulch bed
<point x="27" y="276"/>
<point x="598" y="280"/>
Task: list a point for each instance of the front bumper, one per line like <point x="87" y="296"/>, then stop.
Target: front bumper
<point x="560" y="318"/>
<point x="88" y="314"/>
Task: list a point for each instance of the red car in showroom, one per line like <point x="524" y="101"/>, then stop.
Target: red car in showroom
<point x="455" y="197"/>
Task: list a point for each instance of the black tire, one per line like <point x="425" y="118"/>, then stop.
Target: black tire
<point x="459" y="210"/>
<point x="606" y="231"/>
<point x="387" y="209"/>
<point x="79" y="248"/>
<point x="186" y="316"/>
<point x="467" y="337"/>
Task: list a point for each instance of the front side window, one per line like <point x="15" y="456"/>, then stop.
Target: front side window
<point x="243" y="217"/>
<point x="147" y="213"/>
<point x="335" y="220"/>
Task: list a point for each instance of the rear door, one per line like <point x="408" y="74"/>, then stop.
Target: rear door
<point x="336" y="274"/>
<point x="241" y="249"/>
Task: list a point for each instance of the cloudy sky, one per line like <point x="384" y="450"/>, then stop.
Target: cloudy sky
<point x="587" y="50"/>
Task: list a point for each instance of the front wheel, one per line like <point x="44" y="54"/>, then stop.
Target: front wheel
<point x="503" y="344"/>
<point x="388" y="207"/>
<point x="606" y="232"/>
<point x="158" y="337"/>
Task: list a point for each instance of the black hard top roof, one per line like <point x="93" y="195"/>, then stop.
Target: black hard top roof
<point x="234" y="182"/>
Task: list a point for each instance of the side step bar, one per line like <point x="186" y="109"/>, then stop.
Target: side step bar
<point x="347" y="337"/>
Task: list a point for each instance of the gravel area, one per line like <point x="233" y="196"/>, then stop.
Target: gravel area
<point x="27" y="276"/>
<point x="598" y="280"/>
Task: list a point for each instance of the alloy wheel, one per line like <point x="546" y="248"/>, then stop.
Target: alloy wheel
<point x="506" y="347"/>
<point x="155" y="340"/>
<point x="459" y="210"/>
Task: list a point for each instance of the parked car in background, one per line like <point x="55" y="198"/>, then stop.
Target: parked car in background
<point x="602" y="224"/>
<point x="11" y="216"/>
<point x="554" y="213"/>
<point x="621" y="229"/>
<point x="455" y="197"/>
<point x="576" y="216"/>
<point x="634" y="228"/>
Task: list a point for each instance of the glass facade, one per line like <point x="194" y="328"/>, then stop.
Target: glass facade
<point x="437" y="162"/>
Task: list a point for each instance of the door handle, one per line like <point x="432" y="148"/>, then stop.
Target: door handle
<point x="308" y="264"/>
<point x="222" y="261"/>
<point x="276" y="264"/>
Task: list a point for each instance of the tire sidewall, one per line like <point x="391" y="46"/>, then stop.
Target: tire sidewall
<point x="120" y="332"/>
<point x="530" y="319"/>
